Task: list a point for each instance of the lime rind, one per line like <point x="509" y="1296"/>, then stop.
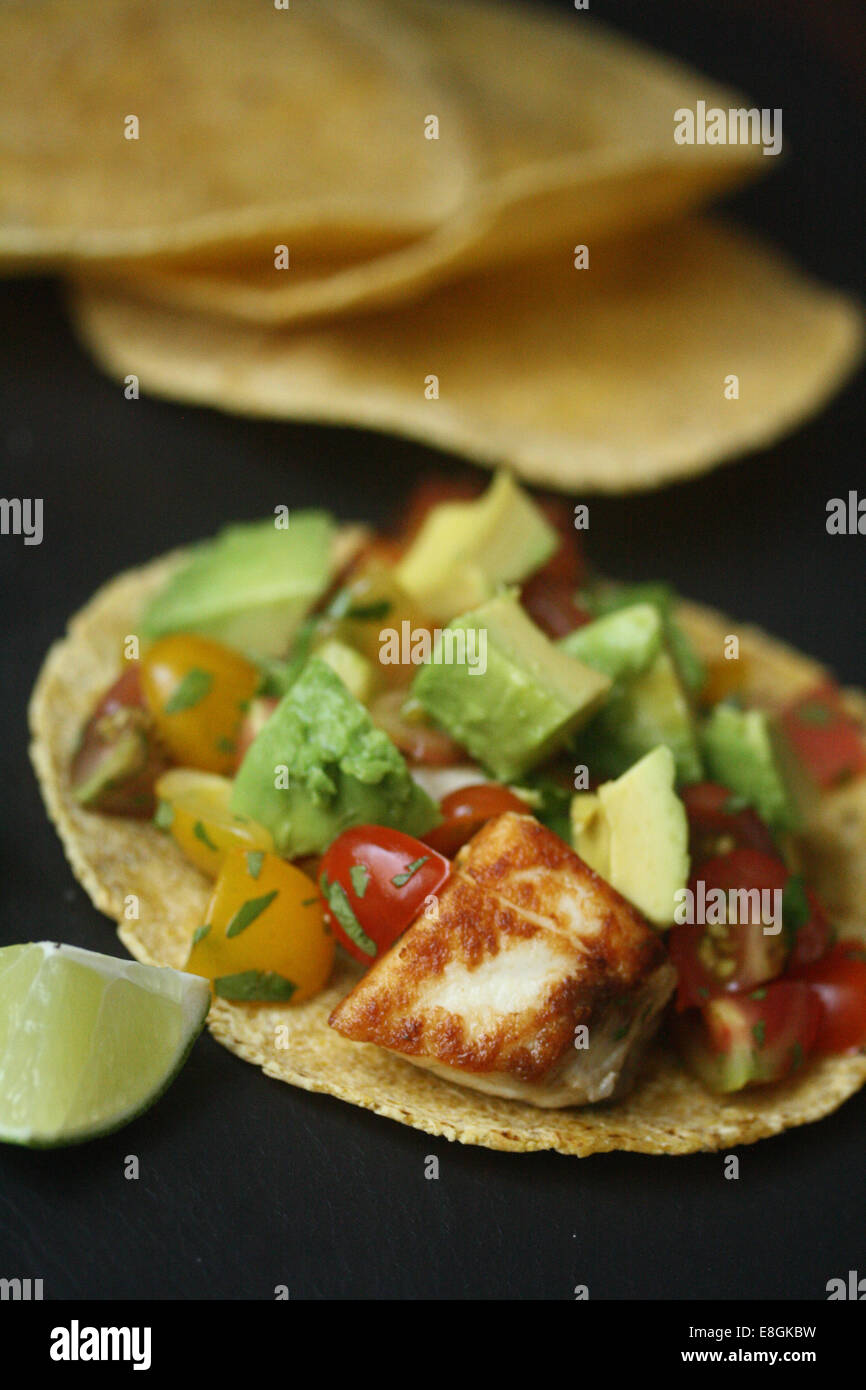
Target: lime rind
<point x="87" y="1041"/>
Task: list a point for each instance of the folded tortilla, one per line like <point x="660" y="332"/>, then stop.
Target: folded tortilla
<point x="670" y="353"/>
<point x="669" y="1111"/>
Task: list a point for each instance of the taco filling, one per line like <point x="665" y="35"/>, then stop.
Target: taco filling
<point x="504" y="802"/>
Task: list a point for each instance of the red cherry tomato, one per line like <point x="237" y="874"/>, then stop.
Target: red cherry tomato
<point x="119" y="757"/>
<point x="839" y="981"/>
<point x="374" y="882"/>
<point x="465" y="812"/>
<point x="713" y="814"/>
<point x="417" y="739"/>
<point x="812" y="939"/>
<point x="720" y="957"/>
<point x="824" y="736"/>
<point x="739" y="1040"/>
<point x="552" y="606"/>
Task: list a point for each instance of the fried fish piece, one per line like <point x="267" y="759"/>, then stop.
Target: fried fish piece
<point x="536" y="980"/>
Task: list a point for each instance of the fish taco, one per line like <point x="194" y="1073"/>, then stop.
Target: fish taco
<point x="467" y="834"/>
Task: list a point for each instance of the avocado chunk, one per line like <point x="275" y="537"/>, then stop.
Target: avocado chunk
<point x="634" y="833"/>
<point x="465" y="550"/>
<point x="320" y="765"/>
<point x="353" y="668"/>
<point x="648" y="705"/>
<point x="609" y="598"/>
<point x="746" y="751"/>
<point x="499" y="687"/>
<point x="250" y="586"/>
<point x="622" y="645"/>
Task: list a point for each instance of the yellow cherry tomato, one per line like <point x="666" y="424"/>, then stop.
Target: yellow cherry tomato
<point x="197" y="692"/>
<point x="371" y="603"/>
<point x="264" y="938"/>
<point x="194" y="808"/>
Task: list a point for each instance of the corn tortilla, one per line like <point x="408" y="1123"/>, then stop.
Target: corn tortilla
<point x="668" y="1112"/>
<point x="570" y="129"/>
<point x="301" y="125"/>
<point x="610" y="378"/>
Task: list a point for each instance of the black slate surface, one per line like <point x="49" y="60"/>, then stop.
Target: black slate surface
<point x="246" y="1184"/>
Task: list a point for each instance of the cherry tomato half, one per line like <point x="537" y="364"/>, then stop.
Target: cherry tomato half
<point x="714" y="816"/>
<point x="198" y="692"/>
<point x="552" y="606"/>
<point x="714" y="958"/>
<point x="119" y="757"/>
<point x="374" y="882"/>
<point x="828" y="742"/>
<point x="839" y="981"/>
<point x="417" y="739"/>
<point x="743" y="1039"/>
<point x="466" y="810"/>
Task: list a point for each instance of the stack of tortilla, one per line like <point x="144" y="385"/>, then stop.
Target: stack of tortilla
<point x="469" y="223"/>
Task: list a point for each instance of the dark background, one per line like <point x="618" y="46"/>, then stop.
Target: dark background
<point x="246" y="1183"/>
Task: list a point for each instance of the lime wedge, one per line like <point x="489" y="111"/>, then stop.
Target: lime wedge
<point x="87" y="1042"/>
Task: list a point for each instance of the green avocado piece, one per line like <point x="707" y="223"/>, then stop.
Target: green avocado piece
<point x="649" y="704"/>
<point x="634" y="832"/>
<point x="465" y="550"/>
<point x="622" y="644"/>
<point x="745" y="750"/>
<point x="353" y="668"/>
<point x="511" y="696"/>
<point x="250" y="586"/>
<point x="320" y="765"/>
<point x="609" y="598"/>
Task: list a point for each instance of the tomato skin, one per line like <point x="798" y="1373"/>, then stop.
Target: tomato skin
<point x="197" y="692"/>
<point x="826" y="739"/>
<point x="839" y="982"/>
<point x="286" y="937"/>
<point x="552" y="606"/>
<point x="739" y="1040"/>
<point x="710" y="819"/>
<point x="119" y="739"/>
<point x="813" y="939"/>
<point x="466" y="810"/>
<point x="714" y="960"/>
<point x="381" y="909"/>
<point x="417" y="739"/>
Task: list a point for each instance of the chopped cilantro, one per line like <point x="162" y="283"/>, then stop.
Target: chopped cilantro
<point x="255" y="986"/>
<point x="248" y="912"/>
<point x="360" y="876"/>
<point x="164" y="815"/>
<point x="796" y="1056"/>
<point x="759" y="1032"/>
<point x="200" y="833"/>
<point x="255" y="859"/>
<point x="758" y="994"/>
<point x="189" y="691"/>
<point x="400" y="880"/>
<point x="200" y="933"/>
<point x="226" y="745"/>
<point x="811" y="712"/>
<point x="795" y="907"/>
<point x="338" y="902"/>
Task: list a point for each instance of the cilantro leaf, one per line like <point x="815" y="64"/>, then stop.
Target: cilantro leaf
<point x="400" y="880"/>
<point x="255" y="986"/>
<point x="200" y="833"/>
<point x="360" y="876"/>
<point x="338" y="901"/>
<point x="189" y="691"/>
<point x="255" y="859"/>
<point x="248" y="912"/>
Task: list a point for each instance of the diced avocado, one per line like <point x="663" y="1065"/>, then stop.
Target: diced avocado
<point x="465" y="550"/>
<point x="353" y="668"/>
<point x="745" y="751"/>
<point x="648" y="704"/>
<point x="608" y="598"/>
<point x="511" y="696"/>
<point x="634" y="832"/>
<point x="320" y="765"/>
<point x="590" y="832"/>
<point x="622" y="644"/>
<point x="250" y="586"/>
